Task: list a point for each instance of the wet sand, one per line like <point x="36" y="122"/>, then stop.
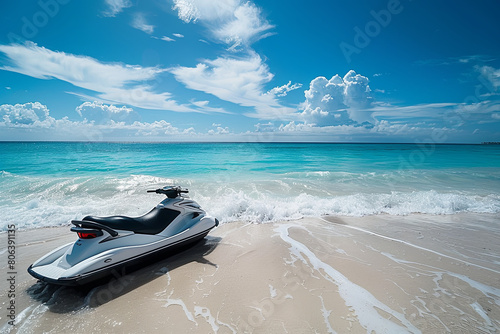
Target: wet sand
<point x="386" y="274"/>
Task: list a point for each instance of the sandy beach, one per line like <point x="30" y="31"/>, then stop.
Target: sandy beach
<point x="333" y="274"/>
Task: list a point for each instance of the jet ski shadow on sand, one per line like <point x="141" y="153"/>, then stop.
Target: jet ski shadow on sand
<point x="115" y="255"/>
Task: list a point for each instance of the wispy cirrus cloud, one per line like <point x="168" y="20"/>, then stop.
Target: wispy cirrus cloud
<point x="164" y="38"/>
<point x="139" y="22"/>
<point x="193" y="10"/>
<point x="474" y="59"/>
<point x="491" y="74"/>
<point x="454" y="116"/>
<point x="283" y="90"/>
<point x="114" y="7"/>
<point x="113" y="82"/>
<point x="203" y="106"/>
<point x="233" y="22"/>
<point x="81" y="71"/>
<point x="246" y="27"/>
<point x="237" y="80"/>
<point x="169" y="39"/>
<point x="382" y="131"/>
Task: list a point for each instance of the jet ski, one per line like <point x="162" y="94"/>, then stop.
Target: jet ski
<point x="106" y="245"/>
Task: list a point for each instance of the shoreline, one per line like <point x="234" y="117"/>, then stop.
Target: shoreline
<point x="415" y="273"/>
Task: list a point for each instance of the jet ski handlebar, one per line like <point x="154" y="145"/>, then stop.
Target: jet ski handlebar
<point x="170" y="192"/>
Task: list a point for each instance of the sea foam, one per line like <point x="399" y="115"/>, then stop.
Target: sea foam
<point x="32" y="202"/>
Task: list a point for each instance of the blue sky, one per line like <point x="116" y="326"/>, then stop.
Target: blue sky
<point x="231" y="70"/>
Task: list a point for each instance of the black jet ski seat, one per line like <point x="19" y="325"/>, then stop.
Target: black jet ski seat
<point x="152" y="222"/>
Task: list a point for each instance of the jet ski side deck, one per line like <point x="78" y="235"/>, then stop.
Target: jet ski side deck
<point x="50" y="274"/>
<point x="108" y="244"/>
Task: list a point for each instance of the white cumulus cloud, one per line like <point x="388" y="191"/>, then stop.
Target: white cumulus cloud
<point x="219" y="130"/>
<point x="338" y="100"/>
<point x="100" y="113"/>
<point x="32" y="121"/>
<point x="27" y="114"/>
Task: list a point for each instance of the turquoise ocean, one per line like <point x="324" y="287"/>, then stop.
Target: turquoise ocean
<point x="50" y="183"/>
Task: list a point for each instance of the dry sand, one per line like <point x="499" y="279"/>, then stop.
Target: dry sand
<point x="386" y="274"/>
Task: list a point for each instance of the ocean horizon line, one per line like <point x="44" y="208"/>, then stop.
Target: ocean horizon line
<point x="246" y="142"/>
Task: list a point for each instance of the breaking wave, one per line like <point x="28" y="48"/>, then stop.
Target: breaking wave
<point x="33" y="202"/>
